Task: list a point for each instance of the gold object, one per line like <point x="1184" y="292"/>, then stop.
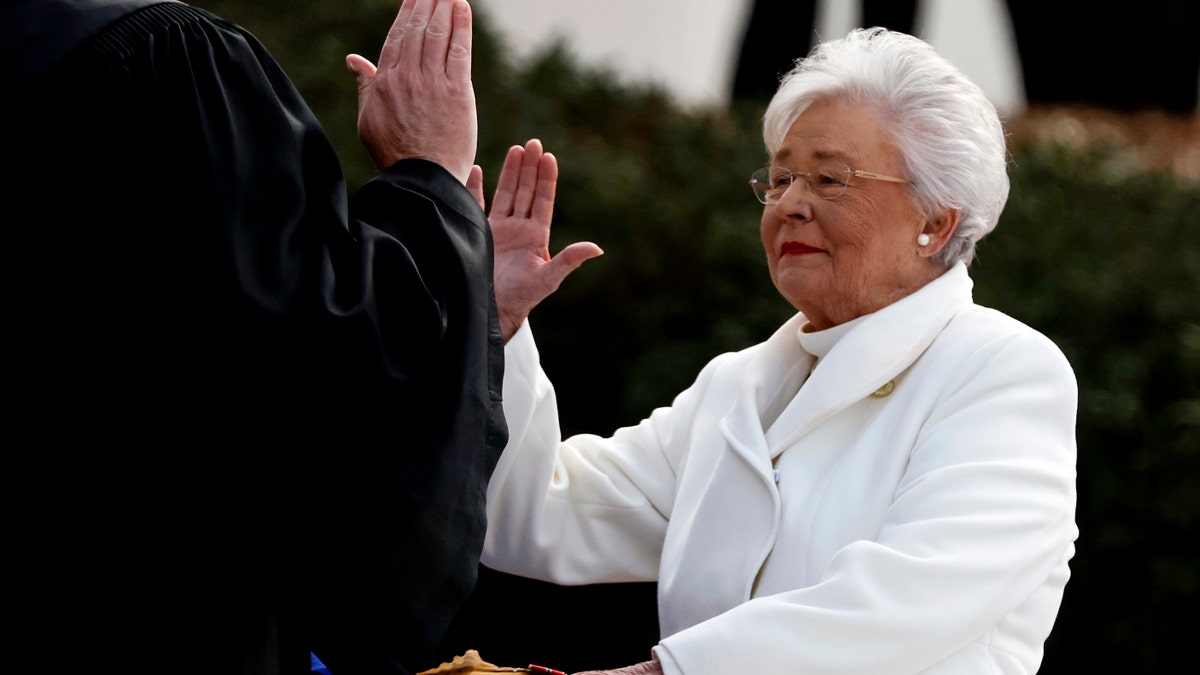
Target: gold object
<point x="468" y="664"/>
<point x="885" y="389"/>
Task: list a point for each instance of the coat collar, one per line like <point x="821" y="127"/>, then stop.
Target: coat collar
<point x="877" y="349"/>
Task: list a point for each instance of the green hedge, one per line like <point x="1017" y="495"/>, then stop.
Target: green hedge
<point x="1105" y="259"/>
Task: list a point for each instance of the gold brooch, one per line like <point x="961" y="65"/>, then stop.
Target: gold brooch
<point x="885" y="389"/>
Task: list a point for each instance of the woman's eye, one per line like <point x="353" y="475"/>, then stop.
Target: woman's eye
<point x="830" y="178"/>
<point x="781" y="180"/>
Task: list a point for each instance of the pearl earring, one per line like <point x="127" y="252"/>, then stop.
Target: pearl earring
<point x="922" y="239"/>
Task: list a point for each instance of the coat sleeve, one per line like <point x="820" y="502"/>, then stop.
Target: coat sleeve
<point x="582" y="510"/>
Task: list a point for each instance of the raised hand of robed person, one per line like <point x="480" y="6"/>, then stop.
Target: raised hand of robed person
<point x="525" y="273"/>
<point x="419" y="102"/>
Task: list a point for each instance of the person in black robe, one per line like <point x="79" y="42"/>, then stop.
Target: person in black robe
<point x="249" y="418"/>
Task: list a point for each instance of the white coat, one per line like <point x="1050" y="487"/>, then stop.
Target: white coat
<point x="911" y="510"/>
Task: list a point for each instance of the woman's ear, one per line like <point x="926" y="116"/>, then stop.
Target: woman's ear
<point x="938" y="229"/>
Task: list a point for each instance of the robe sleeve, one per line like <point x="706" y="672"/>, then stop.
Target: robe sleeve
<point x="305" y="388"/>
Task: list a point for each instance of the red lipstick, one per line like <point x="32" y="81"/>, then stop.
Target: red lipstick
<point x="797" y="248"/>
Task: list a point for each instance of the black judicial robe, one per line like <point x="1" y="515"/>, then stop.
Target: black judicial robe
<point x="247" y="416"/>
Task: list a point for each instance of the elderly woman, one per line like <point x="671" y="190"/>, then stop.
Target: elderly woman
<point x="886" y="484"/>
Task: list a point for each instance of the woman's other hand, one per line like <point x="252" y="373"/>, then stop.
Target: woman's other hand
<point x="644" y="668"/>
<point x="525" y="273"/>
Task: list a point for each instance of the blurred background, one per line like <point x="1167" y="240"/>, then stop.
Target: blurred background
<point x="653" y="110"/>
<point x="707" y="52"/>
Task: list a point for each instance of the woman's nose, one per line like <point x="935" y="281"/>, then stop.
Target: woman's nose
<point x="796" y="201"/>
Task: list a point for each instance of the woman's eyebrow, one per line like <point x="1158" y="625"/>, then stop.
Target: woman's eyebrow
<point x="785" y="153"/>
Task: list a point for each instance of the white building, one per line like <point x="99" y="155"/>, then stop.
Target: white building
<point x="690" y="46"/>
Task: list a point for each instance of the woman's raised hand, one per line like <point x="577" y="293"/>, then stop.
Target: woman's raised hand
<point x="525" y="273"/>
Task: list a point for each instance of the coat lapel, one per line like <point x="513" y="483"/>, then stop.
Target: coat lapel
<point x="871" y="356"/>
<point x="734" y="526"/>
<point x="742" y="426"/>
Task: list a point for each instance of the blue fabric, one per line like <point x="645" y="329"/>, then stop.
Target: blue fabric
<point x="317" y="666"/>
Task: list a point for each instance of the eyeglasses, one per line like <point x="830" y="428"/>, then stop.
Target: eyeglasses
<point x="827" y="182"/>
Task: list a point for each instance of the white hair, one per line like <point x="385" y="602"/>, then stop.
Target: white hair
<point x="948" y="133"/>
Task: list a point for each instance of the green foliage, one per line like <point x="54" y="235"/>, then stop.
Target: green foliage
<point x="664" y="193"/>
<point x="310" y="39"/>
<point x="1102" y="257"/>
<point x="1105" y="259"/>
